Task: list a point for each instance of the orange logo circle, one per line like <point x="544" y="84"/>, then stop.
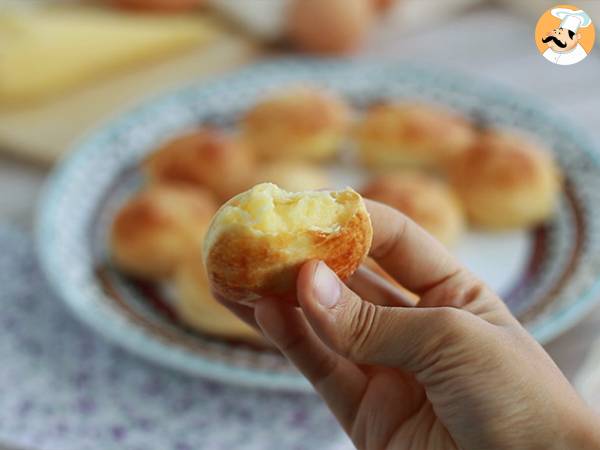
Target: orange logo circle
<point x="565" y="35"/>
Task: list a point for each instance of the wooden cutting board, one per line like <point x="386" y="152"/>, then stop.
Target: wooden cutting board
<point x="44" y="132"/>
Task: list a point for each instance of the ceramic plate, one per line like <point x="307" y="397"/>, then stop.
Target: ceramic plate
<point x="549" y="276"/>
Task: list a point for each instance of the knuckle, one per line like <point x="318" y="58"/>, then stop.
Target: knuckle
<point x="362" y="327"/>
<point x="473" y="291"/>
<point x="451" y="324"/>
<point x="320" y="374"/>
<point x="463" y="289"/>
<point x="448" y="335"/>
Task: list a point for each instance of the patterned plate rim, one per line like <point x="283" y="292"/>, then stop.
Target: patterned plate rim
<point x="109" y="324"/>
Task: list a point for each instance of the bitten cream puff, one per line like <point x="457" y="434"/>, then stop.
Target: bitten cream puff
<point x="425" y="199"/>
<point x="297" y="123"/>
<point x="411" y="134"/>
<point x="506" y="181"/>
<point x="206" y="157"/>
<point x="156" y="227"/>
<point x="293" y="176"/>
<point x="196" y="307"/>
<point x="258" y="240"/>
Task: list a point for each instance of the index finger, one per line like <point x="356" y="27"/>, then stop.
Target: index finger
<point x="243" y="312"/>
<point x="407" y="252"/>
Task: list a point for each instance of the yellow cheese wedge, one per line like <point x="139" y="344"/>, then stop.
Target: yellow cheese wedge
<point x="43" y="52"/>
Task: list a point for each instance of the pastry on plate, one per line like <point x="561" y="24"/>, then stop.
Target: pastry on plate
<point x="156" y="227"/>
<point x="258" y="240"/>
<point x="196" y="307"/>
<point x="507" y="181"/>
<point x="411" y="134"/>
<point x="293" y="176"/>
<point x="296" y="123"/>
<point x="424" y="198"/>
<point x="207" y="157"/>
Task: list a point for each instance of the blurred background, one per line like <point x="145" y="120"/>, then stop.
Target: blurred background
<point x="66" y="66"/>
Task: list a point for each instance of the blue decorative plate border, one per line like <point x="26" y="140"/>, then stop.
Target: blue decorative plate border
<point x="74" y="188"/>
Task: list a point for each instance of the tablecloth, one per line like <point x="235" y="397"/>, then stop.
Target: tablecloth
<point x="64" y="388"/>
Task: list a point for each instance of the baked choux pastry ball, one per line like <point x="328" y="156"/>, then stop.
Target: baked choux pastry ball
<point x="196" y="307"/>
<point x="425" y="199"/>
<point x="411" y="134"/>
<point x="207" y="157"/>
<point x="258" y="240"/>
<point x="156" y="227"/>
<point x="506" y="181"/>
<point x="293" y="176"/>
<point x="300" y="123"/>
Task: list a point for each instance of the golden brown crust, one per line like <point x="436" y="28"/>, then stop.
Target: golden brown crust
<point x="301" y="123"/>
<point x="243" y="265"/>
<point x="206" y="158"/>
<point x="425" y="199"/>
<point x="154" y="228"/>
<point x="506" y="181"/>
<point x="501" y="159"/>
<point x="299" y="110"/>
<point x="412" y="134"/>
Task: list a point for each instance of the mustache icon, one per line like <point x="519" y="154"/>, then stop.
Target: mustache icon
<point x="556" y="41"/>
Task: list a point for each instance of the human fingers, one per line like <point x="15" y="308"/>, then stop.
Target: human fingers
<point x="245" y="313"/>
<point x="407" y="252"/>
<point x="375" y="289"/>
<point x="464" y="290"/>
<point x="340" y="382"/>
<point x="419" y="262"/>
<point x="407" y="338"/>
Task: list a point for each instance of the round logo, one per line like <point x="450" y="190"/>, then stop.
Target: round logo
<point x="565" y="35"/>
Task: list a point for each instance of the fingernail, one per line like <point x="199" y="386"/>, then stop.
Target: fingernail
<point x="326" y="286"/>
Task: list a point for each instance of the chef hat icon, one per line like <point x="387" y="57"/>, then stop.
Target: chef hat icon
<point x="572" y="20"/>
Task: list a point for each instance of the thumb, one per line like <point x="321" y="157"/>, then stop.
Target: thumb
<point x="404" y="337"/>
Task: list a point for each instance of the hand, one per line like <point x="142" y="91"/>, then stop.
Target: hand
<point x="456" y="371"/>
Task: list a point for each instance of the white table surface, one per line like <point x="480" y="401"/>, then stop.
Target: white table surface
<point x="485" y="42"/>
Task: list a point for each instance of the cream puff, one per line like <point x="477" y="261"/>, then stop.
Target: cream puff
<point x="258" y="240"/>
<point x="155" y="228"/>
<point x="392" y="135"/>
<point x="208" y="158"/>
<point x="300" y="123"/>
<point x="507" y="181"/>
<point x="425" y="199"/>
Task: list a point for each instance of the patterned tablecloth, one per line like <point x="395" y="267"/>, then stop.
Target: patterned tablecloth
<point x="62" y="387"/>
